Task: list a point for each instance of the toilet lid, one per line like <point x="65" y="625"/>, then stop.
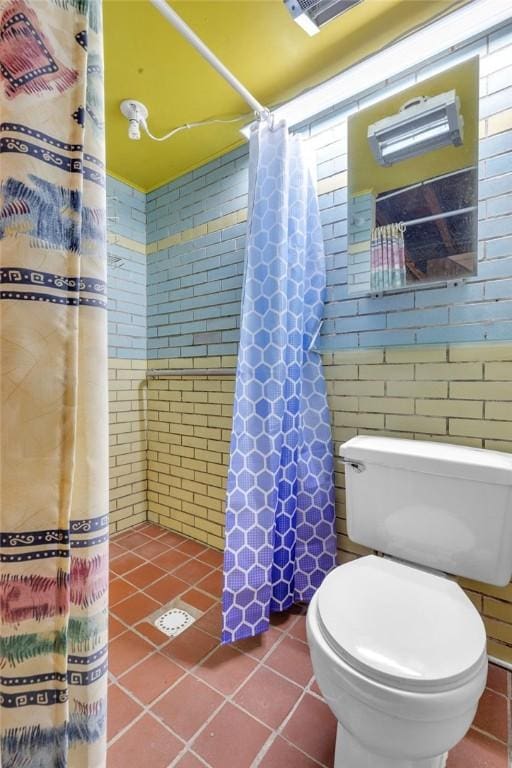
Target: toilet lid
<point x="400" y="625"/>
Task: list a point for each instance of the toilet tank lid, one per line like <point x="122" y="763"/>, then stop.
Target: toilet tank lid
<point x="458" y="461"/>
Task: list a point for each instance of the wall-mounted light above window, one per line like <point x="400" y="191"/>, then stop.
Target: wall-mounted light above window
<point x="313" y="14"/>
<point x="422" y="125"/>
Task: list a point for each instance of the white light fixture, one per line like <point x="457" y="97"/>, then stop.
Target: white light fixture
<point x="422" y="125"/>
<point x="309" y="26"/>
<point x="457" y="28"/>
<point x="136" y="113"/>
<point x="313" y="14"/>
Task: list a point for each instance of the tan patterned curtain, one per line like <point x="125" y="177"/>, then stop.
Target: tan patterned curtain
<point x="54" y="524"/>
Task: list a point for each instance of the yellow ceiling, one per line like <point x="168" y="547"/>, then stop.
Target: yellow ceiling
<point x="146" y="59"/>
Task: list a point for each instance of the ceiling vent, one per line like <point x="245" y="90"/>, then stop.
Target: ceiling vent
<point x="313" y="14"/>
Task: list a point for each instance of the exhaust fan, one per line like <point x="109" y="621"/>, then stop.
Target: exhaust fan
<point x="422" y="124"/>
<point x="313" y="14"/>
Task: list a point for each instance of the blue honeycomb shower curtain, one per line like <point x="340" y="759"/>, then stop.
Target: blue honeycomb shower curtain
<point x="280" y="522"/>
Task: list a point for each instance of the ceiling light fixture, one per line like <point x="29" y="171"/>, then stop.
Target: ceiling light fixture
<point x="313" y="14"/>
<point x="136" y="114"/>
<point x="309" y="26"/>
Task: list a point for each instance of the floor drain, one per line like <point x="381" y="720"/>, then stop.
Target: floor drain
<point x="174" y="621"/>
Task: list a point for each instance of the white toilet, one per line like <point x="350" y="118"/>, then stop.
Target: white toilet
<point x="398" y="650"/>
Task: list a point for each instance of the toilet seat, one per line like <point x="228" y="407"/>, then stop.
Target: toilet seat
<point x="401" y="626"/>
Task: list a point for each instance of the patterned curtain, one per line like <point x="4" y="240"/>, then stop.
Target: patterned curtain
<point x="387" y="265"/>
<point x="54" y="524"/>
<point x="280" y="537"/>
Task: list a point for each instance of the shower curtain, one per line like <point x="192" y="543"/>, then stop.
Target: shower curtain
<point x="54" y="504"/>
<point x="280" y="535"/>
<point x="387" y="264"/>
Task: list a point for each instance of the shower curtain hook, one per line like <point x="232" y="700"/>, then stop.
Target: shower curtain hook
<point x="265" y="115"/>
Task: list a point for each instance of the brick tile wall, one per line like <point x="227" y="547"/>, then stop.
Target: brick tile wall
<point x="459" y="394"/>
<point x="128" y="443"/>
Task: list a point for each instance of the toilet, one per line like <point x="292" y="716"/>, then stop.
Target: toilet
<point x="398" y="649"/>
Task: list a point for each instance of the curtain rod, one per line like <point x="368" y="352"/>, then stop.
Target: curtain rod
<point x="157" y="373"/>
<point x="423" y="183"/>
<point x="439" y="216"/>
<point x="183" y="28"/>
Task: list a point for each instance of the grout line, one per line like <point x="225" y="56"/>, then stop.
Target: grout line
<point x="489" y="735"/>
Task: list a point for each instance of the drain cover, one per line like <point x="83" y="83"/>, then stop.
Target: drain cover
<point x="174" y="621"/>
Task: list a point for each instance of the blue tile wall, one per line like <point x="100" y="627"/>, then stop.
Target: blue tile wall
<point x="127" y="307"/>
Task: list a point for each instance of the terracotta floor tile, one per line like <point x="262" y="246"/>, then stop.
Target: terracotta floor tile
<point x="213" y="583"/>
<point x="477" y="751"/>
<point x="170" y="559"/>
<point x="120" y="535"/>
<point x="153" y="531"/>
<point x="211" y="557"/>
<point x="312" y="728"/>
<point x="230" y="733"/>
<point x="298" y="629"/>
<point x="497" y="679"/>
<point x="192" y="548"/>
<point x="147" y="743"/>
<point x="198" y="599"/>
<point x="152" y="549"/>
<point x="126" y="562"/>
<point x="135" y="608"/>
<point x="153" y="667"/>
<point x="291" y="659"/>
<point x="187" y="707"/>
<point x="119" y="589"/>
<point x="260" y="645"/>
<point x="172" y="539"/>
<point x="166" y="589"/>
<point x="286" y="619"/>
<point x="134" y="540"/>
<point x="211" y="622"/>
<point x="114" y="550"/>
<point x="283" y="755"/>
<point x="492" y="715"/>
<point x="151" y="677"/>
<point x="126" y="650"/>
<point x="192" y="571"/>
<point x="226" y="669"/>
<point x="144" y="575"/>
<point x="189" y="648"/>
<point x="189" y="761"/>
<point x="268" y="697"/>
<point x="121" y="710"/>
<point x="151" y="633"/>
<point x="115" y="627"/>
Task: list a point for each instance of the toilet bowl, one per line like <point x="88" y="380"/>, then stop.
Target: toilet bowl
<point x="400" y="657"/>
<point x="398" y="649"/>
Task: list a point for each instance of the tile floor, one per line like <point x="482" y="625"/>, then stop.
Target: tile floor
<point x="191" y="703"/>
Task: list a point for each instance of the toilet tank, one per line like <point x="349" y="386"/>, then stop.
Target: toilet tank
<point x="447" y="507"/>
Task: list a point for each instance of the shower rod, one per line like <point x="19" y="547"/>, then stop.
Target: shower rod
<point x="189" y="34"/>
<point x="160" y="373"/>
